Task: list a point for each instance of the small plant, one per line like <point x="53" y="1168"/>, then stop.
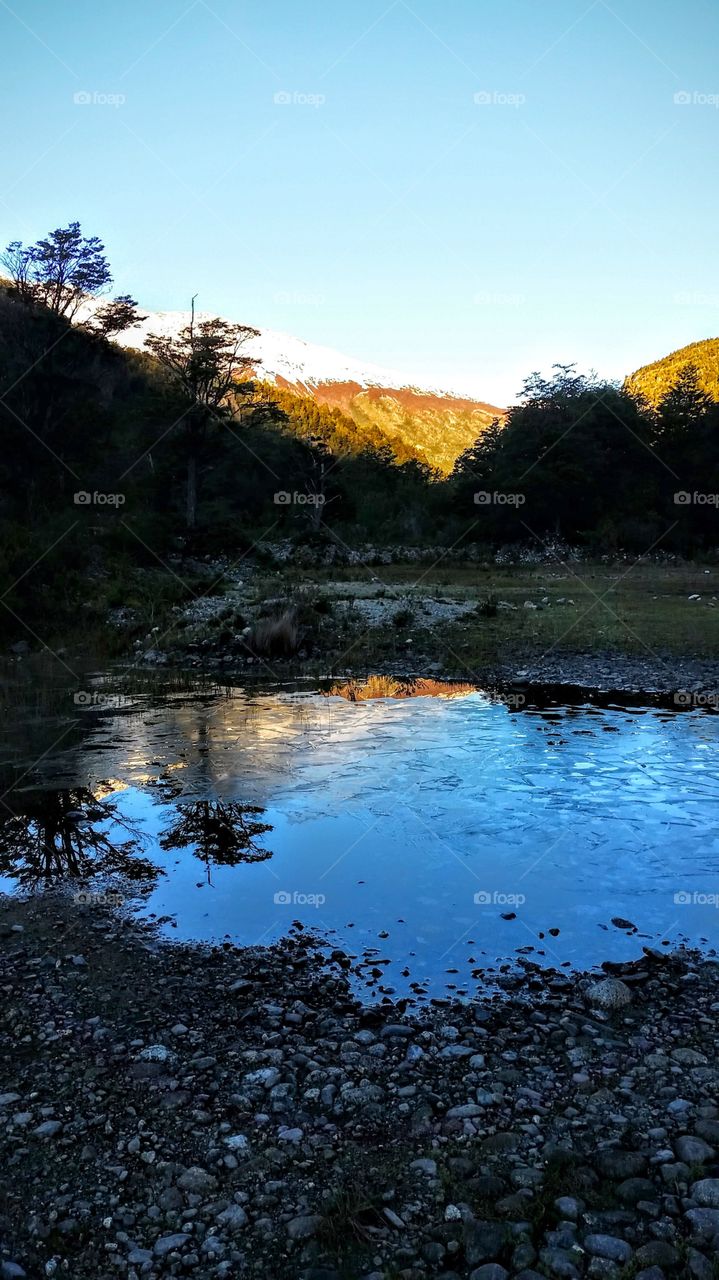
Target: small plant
<point x="487" y="607"/>
<point x="275" y="637"/>
<point x="403" y="618"/>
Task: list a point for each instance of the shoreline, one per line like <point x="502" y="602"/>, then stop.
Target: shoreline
<point x="237" y="1112"/>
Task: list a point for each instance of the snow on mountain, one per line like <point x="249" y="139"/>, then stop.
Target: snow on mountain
<point x="280" y="356"/>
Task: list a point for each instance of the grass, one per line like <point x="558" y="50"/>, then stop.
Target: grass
<point x="639" y="610"/>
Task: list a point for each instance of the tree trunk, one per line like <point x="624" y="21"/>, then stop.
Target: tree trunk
<point x="191" y="509"/>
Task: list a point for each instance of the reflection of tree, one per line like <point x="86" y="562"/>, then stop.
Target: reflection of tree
<point x="222" y="834"/>
<point x="52" y="835"/>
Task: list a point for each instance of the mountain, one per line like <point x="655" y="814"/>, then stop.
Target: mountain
<point x="654" y="380"/>
<point x="425" y="422"/>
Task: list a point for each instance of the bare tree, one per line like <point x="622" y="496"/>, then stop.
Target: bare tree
<point x="207" y="362"/>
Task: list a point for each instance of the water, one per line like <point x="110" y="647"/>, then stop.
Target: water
<point x="431" y="838"/>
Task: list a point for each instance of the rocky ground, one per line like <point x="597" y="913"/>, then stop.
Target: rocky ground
<point x="166" y="1111"/>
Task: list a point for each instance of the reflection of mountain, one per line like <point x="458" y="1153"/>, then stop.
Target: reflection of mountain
<point x="46" y="836"/>
<point x="388" y="687"/>
<point x="219" y="834"/>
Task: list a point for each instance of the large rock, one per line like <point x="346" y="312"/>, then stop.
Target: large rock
<point x="610" y="995"/>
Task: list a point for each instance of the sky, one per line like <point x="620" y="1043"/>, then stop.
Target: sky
<point x="465" y="191"/>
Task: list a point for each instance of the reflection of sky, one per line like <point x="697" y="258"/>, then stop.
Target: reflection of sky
<point x="402" y="811"/>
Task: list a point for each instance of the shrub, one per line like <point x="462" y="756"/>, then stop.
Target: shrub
<point x="275" y="637"/>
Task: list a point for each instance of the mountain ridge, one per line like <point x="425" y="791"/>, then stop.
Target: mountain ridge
<point x="436" y="423"/>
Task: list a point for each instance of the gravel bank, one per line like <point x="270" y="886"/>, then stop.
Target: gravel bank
<point x="166" y="1111"/>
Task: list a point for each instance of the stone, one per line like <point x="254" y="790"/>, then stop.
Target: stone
<point x="233" y="1218"/>
<point x="304" y="1226"/>
<point x="614" y="1162"/>
<point x="704" y="1223"/>
<point x="490" y="1271"/>
<point x="482" y="1241"/>
<point x="610" y="995"/>
<point x="197" y="1181"/>
<point x="48" y="1129"/>
<point x="657" y="1253"/>
<point x="168" y="1244"/>
<point x="693" y="1150"/>
<point x="706" y="1193"/>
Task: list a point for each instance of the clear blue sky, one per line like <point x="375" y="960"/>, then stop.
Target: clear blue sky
<point x="382" y="210"/>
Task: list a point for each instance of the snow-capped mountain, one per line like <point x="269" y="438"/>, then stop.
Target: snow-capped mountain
<point x="437" y="423"/>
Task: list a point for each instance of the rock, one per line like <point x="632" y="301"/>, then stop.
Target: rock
<point x="238" y="1143"/>
<point x="303" y="1227"/>
<point x="569" y="1207"/>
<point x="704" y="1223"/>
<point x="689" y="1057"/>
<point x="632" y="1190"/>
<point x="611" y="995"/>
<point x="168" y="1244"/>
<point x="482" y="1241"/>
<point x="138" y="1257"/>
<point x="611" y="1247"/>
<point x="197" y="1181"/>
<point x="156" y="1053"/>
<point x="11" y="1271"/>
<point x="497" y="1142"/>
<point x="48" y="1129"/>
<point x="657" y="1253"/>
<point x="7" y="1098"/>
<point x="490" y="1271"/>
<point x="706" y="1193"/>
<point x="693" y="1150"/>
<point x="620" y="1164"/>
<point x="233" y="1218"/>
<point x="620" y="923"/>
<point x="559" y="1263"/>
<point x="425" y="1166"/>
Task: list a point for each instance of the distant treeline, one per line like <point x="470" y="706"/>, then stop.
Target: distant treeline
<point x="113" y="459"/>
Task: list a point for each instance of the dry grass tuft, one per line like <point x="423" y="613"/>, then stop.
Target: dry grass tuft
<point x="276" y="637"/>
